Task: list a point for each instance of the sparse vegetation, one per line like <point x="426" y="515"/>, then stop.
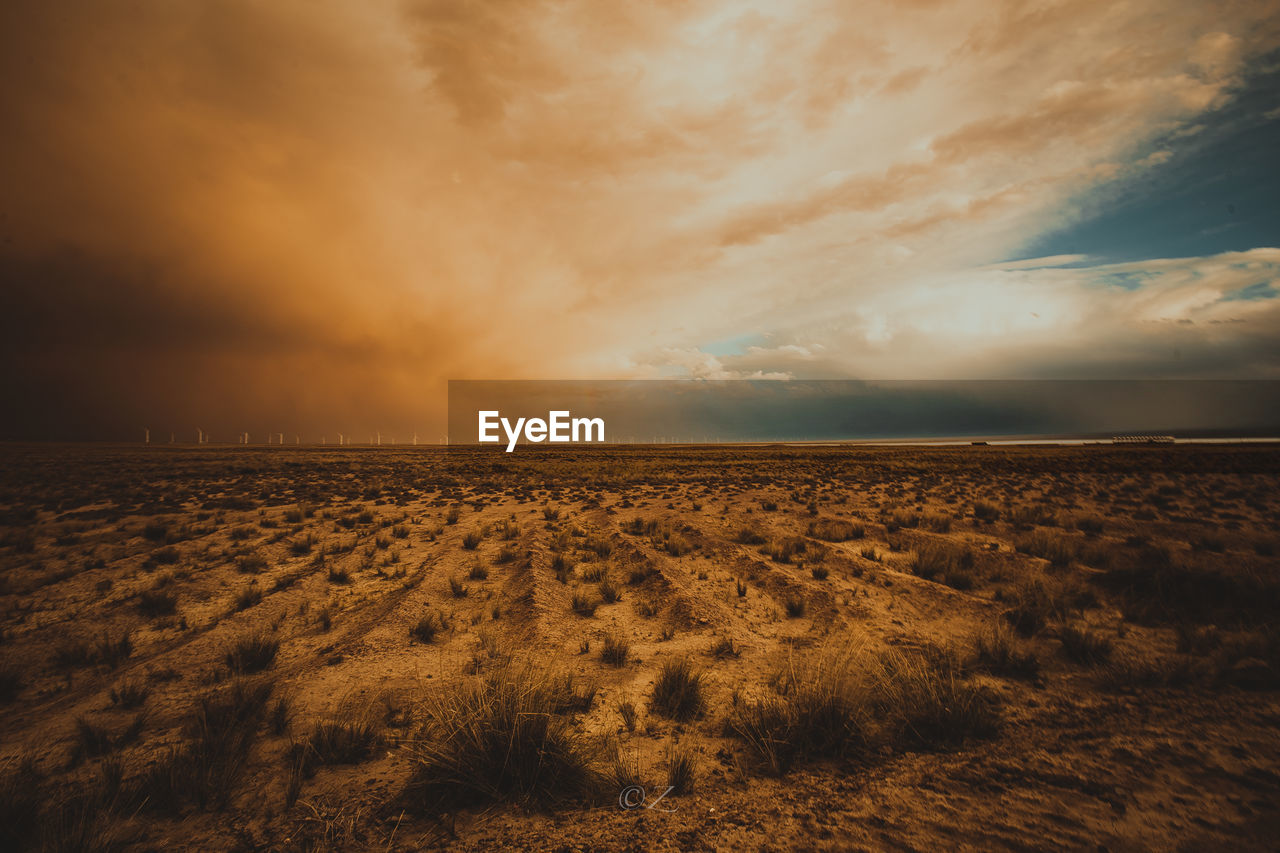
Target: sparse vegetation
<point x="206" y="769"/>
<point x="836" y="530"/>
<point x="505" y="734"/>
<point x="682" y="768"/>
<point x="1059" y="549"/>
<point x="999" y="651"/>
<point x="751" y="615"/>
<point x="615" y="649"/>
<point x="841" y="702"/>
<point x="1083" y="644"/>
<point x="609" y="592"/>
<point x="724" y="647"/>
<point x="427" y="627"/>
<point x="344" y="739"/>
<point x="252" y="653"/>
<point x="945" y="562"/>
<point x="677" y="692"/>
<point x="583" y="604"/>
<point x="627" y="710"/>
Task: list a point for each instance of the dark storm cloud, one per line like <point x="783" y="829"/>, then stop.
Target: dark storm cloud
<point x="307" y="216"/>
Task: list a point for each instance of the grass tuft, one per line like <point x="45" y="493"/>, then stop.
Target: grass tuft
<point x="1082" y="644"/>
<point x="677" y="692"/>
<point x="505" y="735"/>
<point x="615" y="649"/>
<point x="998" y="651"/>
<point x="428" y="626"/>
<point x="252" y="653"/>
<point x="836" y="703"/>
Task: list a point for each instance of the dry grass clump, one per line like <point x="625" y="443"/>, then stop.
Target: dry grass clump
<point x="205" y="770"/>
<point x="38" y="814"/>
<point x="1033" y="606"/>
<point x="248" y="597"/>
<point x="112" y="648"/>
<point x="108" y="650"/>
<point x="786" y="549"/>
<point x="986" y="512"/>
<point x="343" y="739"/>
<point x="1083" y="644"/>
<point x="593" y="572"/>
<point x="506" y="734"/>
<point x="1061" y="551"/>
<point x="821" y="708"/>
<point x="627" y="710"/>
<point x="609" y="591"/>
<point x="836" y="530"/>
<point x="641" y="526"/>
<point x="925" y="701"/>
<point x="583" y="604"/>
<point x="615" y="649"/>
<point x="836" y="703"/>
<point x="252" y="653"/>
<point x="682" y="768"/>
<point x="947" y="562"/>
<point x="998" y="650"/>
<point x="1026" y="516"/>
<point x="677" y="692"/>
<point x="724" y="647"/>
<point x="661" y="534"/>
<point x="428" y="626"/>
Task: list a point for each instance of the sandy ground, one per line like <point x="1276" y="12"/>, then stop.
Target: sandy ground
<point x="1168" y="739"/>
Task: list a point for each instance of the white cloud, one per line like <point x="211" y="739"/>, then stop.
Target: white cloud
<point x="1163" y="317"/>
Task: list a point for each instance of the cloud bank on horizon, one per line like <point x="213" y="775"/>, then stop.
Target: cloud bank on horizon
<point x="308" y="216"/>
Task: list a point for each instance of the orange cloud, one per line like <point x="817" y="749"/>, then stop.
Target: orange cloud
<point x="309" y="216"/>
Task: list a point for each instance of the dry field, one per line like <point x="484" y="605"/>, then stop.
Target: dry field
<point x="300" y="649"/>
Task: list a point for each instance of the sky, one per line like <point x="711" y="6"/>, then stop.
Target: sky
<point x="307" y="217"/>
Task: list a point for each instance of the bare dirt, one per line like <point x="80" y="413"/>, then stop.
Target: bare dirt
<point x="1149" y="717"/>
